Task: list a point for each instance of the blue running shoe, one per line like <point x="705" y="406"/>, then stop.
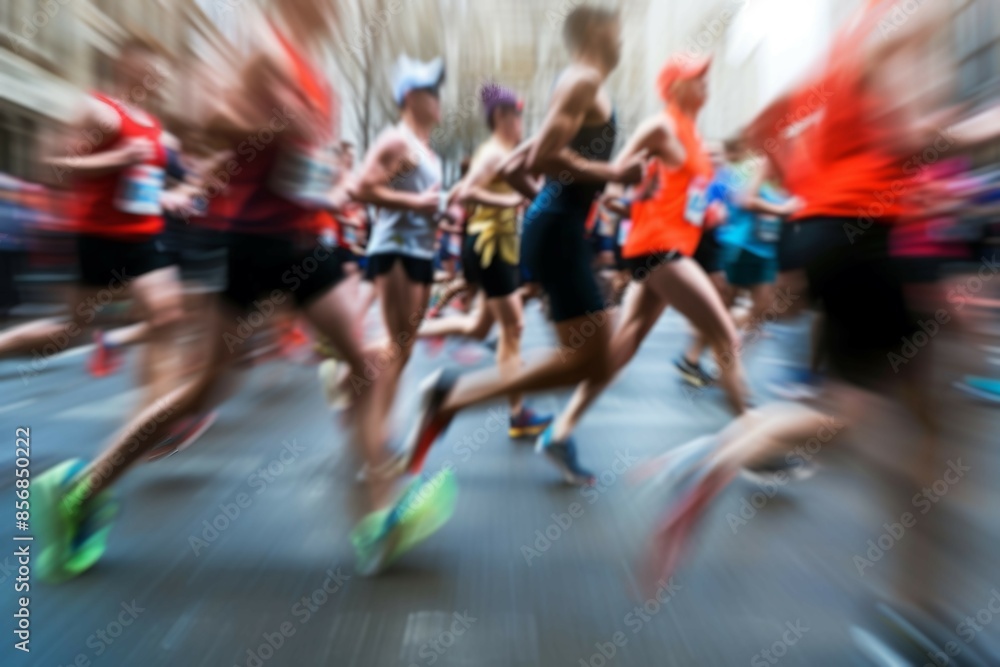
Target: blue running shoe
<point x="986" y="389"/>
<point x="563" y="455"/>
<point x="528" y="424"/>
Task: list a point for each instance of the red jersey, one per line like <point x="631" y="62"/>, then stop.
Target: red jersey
<point x="255" y="201"/>
<point x="124" y="204"/>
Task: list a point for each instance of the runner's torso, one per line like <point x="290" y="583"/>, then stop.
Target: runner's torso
<point x="407" y="232"/>
<point x="280" y="185"/>
<point x="125" y="203"/>
<point x="672" y="220"/>
<point x="495" y="227"/>
<point x="594" y="142"/>
<point x="851" y="171"/>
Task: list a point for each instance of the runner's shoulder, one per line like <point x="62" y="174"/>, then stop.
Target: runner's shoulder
<point x="579" y="84"/>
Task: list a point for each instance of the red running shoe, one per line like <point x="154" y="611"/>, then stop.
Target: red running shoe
<point x="105" y="359"/>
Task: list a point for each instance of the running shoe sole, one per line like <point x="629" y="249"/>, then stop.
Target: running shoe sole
<point x="429" y="427"/>
<point x="430" y="505"/>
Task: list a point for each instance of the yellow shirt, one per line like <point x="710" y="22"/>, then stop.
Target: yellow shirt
<point x="495" y="227"/>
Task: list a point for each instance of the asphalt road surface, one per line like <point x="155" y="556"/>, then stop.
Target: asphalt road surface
<point x="235" y="551"/>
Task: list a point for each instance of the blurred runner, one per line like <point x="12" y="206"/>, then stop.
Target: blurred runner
<point x="117" y="187"/>
<point x="665" y="232"/>
<point x="274" y="254"/>
<point x="863" y="137"/>
<point x="490" y="257"/>
<point x="402" y="176"/>
<point x="572" y="149"/>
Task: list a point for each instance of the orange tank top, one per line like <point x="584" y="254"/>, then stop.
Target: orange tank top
<point x="852" y="173"/>
<point x="673" y="219"/>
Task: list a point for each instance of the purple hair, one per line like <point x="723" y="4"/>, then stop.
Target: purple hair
<point x="493" y="96"/>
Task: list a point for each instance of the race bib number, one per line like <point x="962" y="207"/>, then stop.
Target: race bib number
<point x="624" y="227"/>
<point x="328" y="238"/>
<point x="304" y="177"/>
<point x="768" y="228"/>
<point x="350" y="234"/>
<point x="139" y="190"/>
<point x="454" y="245"/>
<point x="697" y="202"/>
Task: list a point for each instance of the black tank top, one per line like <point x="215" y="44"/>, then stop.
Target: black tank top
<point x="593" y="142"/>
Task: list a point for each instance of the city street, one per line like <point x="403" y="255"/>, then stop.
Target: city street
<point x="235" y="552"/>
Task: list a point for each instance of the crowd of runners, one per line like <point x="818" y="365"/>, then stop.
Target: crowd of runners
<point x="249" y="229"/>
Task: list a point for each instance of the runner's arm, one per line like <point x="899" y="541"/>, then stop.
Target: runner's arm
<point x="97" y="119"/>
<point x="548" y="154"/>
<point x="387" y="160"/>
<point x="473" y="189"/>
<point x="514" y="171"/>
<point x="657" y="138"/>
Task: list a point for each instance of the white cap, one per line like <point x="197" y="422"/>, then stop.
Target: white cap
<point x="411" y="74"/>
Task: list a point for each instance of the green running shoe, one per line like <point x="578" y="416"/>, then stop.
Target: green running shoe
<point x="72" y="536"/>
<point x="423" y="508"/>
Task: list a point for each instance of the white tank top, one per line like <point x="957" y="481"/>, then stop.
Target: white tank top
<point x="406" y="232"/>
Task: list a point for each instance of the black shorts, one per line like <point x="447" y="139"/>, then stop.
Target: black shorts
<point x="858" y="286"/>
<point x="417" y="270"/>
<point x="198" y="252"/>
<point x="793" y="250"/>
<point x="499" y="279"/>
<point x="709" y="253"/>
<point x="345" y="255"/>
<point x="640" y="267"/>
<point x="259" y="265"/>
<point x="558" y="257"/>
<point x="105" y="262"/>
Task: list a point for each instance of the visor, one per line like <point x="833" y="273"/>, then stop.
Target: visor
<point x="411" y="74"/>
<point x="680" y="68"/>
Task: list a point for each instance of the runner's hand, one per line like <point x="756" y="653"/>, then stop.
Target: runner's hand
<point x="138" y="151"/>
<point x="428" y="202"/>
<point x="631" y="171"/>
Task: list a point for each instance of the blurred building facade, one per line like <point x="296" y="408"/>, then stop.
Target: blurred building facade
<point x="50" y="50"/>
